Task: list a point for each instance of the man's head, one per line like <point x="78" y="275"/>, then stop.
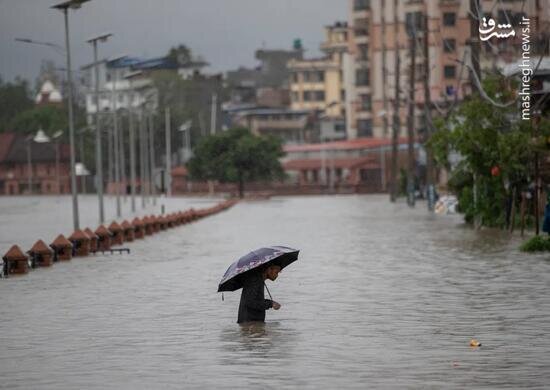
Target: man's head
<point x="271" y="272"/>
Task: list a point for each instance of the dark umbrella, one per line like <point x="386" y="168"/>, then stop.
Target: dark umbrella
<point x="274" y="255"/>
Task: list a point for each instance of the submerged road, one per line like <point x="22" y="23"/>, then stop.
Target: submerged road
<point x="381" y="297"/>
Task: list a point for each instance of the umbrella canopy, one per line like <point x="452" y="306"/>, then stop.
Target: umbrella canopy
<point x="274" y="255"/>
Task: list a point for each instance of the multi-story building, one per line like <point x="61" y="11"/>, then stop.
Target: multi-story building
<point x="318" y="84"/>
<point x="377" y="27"/>
<point x="267" y="84"/>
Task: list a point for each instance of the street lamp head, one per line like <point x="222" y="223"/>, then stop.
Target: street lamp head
<point x="57" y="134"/>
<point x="131" y="75"/>
<point x="73" y="4"/>
<point x="101" y="38"/>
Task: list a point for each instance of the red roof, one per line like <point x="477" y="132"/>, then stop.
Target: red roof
<point x="179" y="171"/>
<point x="317" y="163"/>
<point x="90" y="233"/>
<point x="6" y="139"/>
<point x="61" y="242"/>
<point x="79" y="235"/>
<point x="40" y="247"/>
<point x="15" y="253"/>
<point x="352" y="144"/>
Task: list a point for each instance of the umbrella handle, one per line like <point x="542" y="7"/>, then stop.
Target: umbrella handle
<point x="265" y="285"/>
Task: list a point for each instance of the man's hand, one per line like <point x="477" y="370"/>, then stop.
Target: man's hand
<point x="276" y="306"/>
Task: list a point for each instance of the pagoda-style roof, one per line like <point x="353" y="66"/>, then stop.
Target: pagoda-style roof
<point x="79" y="235"/>
<point x="40" y="248"/>
<point x="15" y="253"/>
<point x="115" y="227"/>
<point x="61" y="242"/>
<point x="102" y="231"/>
<point x="137" y="222"/>
<point x="126" y="225"/>
<point x="90" y="233"/>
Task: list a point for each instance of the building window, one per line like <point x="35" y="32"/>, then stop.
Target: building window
<point x="308" y="96"/>
<point x="361" y="5"/>
<point x="364" y="128"/>
<point x="449" y="45"/>
<point x="449" y="71"/>
<point x="361" y="27"/>
<point x="295" y="96"/>
<point x="319" y="96"/>
<point x="362" y="77"/>
<point x="413" y="22"/>
<point x="505" y="16"/>
<point x="366" y="102"/>
<point x="295" y="77"/>
<point x="363" y="52"/>
<point x="449" y="19"/>
<point x="320" y="76"/>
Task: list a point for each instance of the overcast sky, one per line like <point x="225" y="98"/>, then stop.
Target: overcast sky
<point x="225" y="32"/>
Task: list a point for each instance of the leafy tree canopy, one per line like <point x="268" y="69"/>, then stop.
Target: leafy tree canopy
<point x="14" y="99"/>
<point x="237" y="156"/>
<point x="496" y="149"/>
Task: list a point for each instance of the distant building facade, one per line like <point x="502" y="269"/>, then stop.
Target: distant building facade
<point x="48" y="172"/>
<point x="373" y="41"/>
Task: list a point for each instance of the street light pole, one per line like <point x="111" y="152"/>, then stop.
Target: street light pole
<point x="29" y="165"/>
<point x="98" y="155"/>
<point x="116" y="147"/>
<point x="64" y="6"/>
<point x="168" y="153"/>
<point x="152" y="158"/>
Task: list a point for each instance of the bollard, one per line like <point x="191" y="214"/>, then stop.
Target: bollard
<point x="156" y="223"/>
<point x="63" y="249"/>
<point x="81" y="243"/>
<point x="104" y="241"/>
<point x="117" y="232"/>
<point x="93" y="239"/>
<point x="139" y="228"/>
<point x="41" y="254"/>
<point x="162" y="221"/>
<point x="128" y="230"/>
<point x="149" y="225"/>
<point x="15" y="262"/>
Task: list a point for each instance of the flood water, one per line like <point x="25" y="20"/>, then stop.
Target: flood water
<point x="381" y="297"/>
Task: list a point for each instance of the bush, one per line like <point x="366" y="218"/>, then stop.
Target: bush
<point x="536" y="244"/>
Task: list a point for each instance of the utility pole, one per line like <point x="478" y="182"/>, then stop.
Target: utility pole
<point x="474" y="41"/>
<point x="131" y="130"/>
<point x="142" y="157"/>
<point x="384" y="96"/>
<point x="396" y="118"/>
<point x="122" y="159"/>
<point x="116" y="148"/>
<point x="410" y="117"/>
<point x="213" y="113"/>
<point x="428" y="117"/>
<point x="474" y="58"/>
<point x="98" y="152"/>
<point x="146" y="154"/>
<point x="152" y="158"/>
<point x="168" y="153"/>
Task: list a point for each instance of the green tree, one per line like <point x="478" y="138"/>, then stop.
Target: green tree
<point x="180" y="54"/>
<point x="496" y="152"/>
<point x="237" y="156"/>
<point x="48" y="118"/>
<point x="14" y="99"/>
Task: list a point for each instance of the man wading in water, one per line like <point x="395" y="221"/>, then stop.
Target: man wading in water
<point x="253" y="304"/>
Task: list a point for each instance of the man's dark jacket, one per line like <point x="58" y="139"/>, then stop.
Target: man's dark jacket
<point x="253" y="305"/>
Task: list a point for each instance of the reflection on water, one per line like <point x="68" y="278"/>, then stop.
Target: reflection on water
<point x="381" y="297"/>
